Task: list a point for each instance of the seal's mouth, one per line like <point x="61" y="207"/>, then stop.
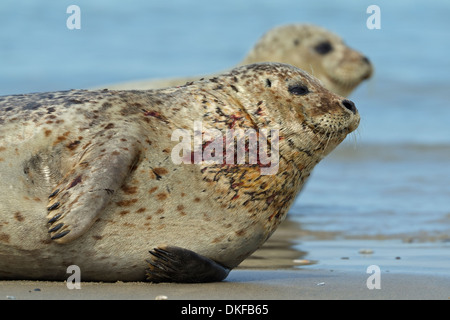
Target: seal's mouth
<point x="337" y="124"/>
<point x="340" y="133"/>
<point x="347" y="84"/>
<point x="353" y="125"/>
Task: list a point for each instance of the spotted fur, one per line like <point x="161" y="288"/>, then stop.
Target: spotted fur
<point x="88" y="180"/>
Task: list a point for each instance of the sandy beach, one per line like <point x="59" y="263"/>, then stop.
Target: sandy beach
<point x="319" y="267"/>
<point x="246" y="285"/>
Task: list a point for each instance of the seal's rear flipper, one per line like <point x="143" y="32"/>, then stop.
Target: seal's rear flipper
<point x="88" y="187"/>
<point x="174" y="264"/>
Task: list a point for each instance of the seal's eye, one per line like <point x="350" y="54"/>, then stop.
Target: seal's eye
<point x="323" y="47"/>
<point x="298" y="89"/>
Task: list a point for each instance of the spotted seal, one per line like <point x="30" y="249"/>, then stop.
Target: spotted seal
<point x="309" y="47"/>
<point x="88" y="177"/>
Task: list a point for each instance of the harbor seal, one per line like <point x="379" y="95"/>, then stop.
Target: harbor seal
<point x="309" y="47"/>
<point x="88" y="177"/>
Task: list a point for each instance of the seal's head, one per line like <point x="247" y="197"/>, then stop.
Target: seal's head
<point x="306" y="122"/>
<point x="311" y="119"/>
<point x="317" y="51"/>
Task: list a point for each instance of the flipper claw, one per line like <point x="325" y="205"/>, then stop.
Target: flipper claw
<point x="175" y="264"/>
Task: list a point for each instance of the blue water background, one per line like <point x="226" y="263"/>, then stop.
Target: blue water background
<point x="391" y="178"/>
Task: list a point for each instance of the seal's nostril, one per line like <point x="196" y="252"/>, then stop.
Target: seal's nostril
<point x="349" y="105"/>
<point x="366" y="60"/>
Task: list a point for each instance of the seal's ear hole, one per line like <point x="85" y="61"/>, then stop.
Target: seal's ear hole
<point x="323" y="47"/>
<point x="298" y="89"/>
<point x="296" y="42"/>
<point x="268" y="83"/>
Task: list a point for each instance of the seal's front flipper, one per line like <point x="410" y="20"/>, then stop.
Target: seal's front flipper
<point x="87" y="188"/>
<point x="174" y="264"/>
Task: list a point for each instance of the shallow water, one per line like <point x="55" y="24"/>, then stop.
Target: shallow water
<point x="391" y="256"/>
<point x="390" y="180"/>
<point x="380" y="190"/>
